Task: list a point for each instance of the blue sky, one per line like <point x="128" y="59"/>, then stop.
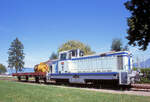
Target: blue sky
<point x="43" y="25"/>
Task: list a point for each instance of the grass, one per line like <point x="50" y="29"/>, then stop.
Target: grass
<point x="20" y="92"/>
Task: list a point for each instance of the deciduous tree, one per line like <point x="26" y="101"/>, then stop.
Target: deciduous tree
<point x="2" y="69"/>
<point x="118" y="46"/>
<point x="53" y="56"/>
<point x="73" y="44"/>
<point x="139" y="23"/>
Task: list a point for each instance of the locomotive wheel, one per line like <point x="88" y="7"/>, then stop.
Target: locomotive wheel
<point x="27" y="78"/>
<point x="19" y="78"/>
<point x="37" y="79"/>
<point x="45" y="80"/>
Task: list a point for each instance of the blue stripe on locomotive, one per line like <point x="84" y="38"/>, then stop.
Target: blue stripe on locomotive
<point x="102" y="73"/>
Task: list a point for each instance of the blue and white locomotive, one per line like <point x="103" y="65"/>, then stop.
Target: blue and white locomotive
<point x="73" y="67"/>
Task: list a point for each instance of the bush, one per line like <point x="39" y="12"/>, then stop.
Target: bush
<point x="135" y="69"/>
<point x="146" y="75"/>
<point x="2" y="69"/>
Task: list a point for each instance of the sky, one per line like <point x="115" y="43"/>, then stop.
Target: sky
<point x="44" y="25"/>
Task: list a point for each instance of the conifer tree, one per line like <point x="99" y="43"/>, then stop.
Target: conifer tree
<point x="16" y="55"/>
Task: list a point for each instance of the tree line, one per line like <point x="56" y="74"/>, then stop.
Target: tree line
<point x="16" y="53"/>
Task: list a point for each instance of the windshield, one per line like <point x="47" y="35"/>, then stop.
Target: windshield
<point x="63" y="56"/>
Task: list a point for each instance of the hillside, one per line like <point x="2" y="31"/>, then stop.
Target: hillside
<point x="143" y="64"/>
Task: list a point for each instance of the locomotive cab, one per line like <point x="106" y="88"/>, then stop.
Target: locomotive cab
<point x="70" y="54"/>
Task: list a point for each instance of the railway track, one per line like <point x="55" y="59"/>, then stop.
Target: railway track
<point x="141" y="86"/>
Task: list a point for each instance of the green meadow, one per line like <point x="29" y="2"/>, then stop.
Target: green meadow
<point x="20" y="92"/>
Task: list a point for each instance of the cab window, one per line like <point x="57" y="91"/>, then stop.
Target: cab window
<point x="81" y="53"/>
<point x="63" y="56"/>
<point x="74" y="53"/>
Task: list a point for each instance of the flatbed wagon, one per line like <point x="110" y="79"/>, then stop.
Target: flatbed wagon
<point x="37" y="75"/>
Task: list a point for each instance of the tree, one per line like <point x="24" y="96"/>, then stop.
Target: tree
<point x="126" y="48"/>
<point x="16" y="55"/>
<point x="53" y="56"/>
<point x="2" y="69"/>
<point x="73" y="44"/>
<point x="139" y="23"/>
<point x="118" y="46"/>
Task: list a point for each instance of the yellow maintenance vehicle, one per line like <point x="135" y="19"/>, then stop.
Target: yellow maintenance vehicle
<point x="42" y="67"/>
